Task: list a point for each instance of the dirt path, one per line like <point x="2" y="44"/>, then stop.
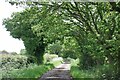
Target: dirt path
<point x="61" y="72"/>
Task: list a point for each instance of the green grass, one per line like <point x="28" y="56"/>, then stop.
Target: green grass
<point x="77" y="73"/>
<point x="106" y="72"/>
<point x="31" y="72"/>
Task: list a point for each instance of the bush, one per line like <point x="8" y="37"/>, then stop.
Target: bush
<point x="23" y="52"/>
<point x="68" y="53"/>
<point x="86" y="61"/>
<point x="49" y="57"/>
<point x="109" y="72"/>
<point x="80" y="74"/>
<point x="16" y="61"/>
<point x="31" y="59"/>
<point x="74" y="62"/>
<point x="19" y="66"/>
<point x="103" y="72"/>
<point x="31" y="72"/>
<point x="13" y="61"/>
<point x="54" y="48"/>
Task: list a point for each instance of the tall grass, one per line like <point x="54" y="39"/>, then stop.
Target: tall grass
<point x="17" y="66"/>
<point x="31" y="72"/>
<point x="14" y="66"/>
<point x="101" y="72"/>
<point x="82" y="74"/>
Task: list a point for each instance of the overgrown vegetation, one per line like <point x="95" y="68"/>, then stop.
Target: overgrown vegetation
<point x="96" y="73"/>
<point x="100" y="72"/>
<point x="86" y="31"/>
<point x="20" y="66"/>
<point x="32" y="71"/>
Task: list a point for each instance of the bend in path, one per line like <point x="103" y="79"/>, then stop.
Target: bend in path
<point x="61" y="72"/>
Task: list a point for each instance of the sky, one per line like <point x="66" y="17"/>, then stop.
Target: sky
<point x="7" y="42"/>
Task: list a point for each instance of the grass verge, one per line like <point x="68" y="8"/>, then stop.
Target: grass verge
<point x="82" y="74"/>
<point x="101" y="72"/>
<point x="31" y="73"/>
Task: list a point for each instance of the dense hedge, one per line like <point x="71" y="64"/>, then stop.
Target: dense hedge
<point x="11" y="62"/>
<point x="33" y="72"/>
<point x="21" y="66"/>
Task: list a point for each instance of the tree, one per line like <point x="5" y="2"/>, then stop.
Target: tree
<point x="36" y="29"/>
<point x="94" y="23"/>
<point x="20" y="26"/>
<point x="94" y="26"/>
<point x="96" y="20"/>
<point x="23" y="52"/>
<point x="55" y="48"/>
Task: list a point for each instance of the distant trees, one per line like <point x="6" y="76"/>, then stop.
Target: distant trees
<point x="6" y="52"/>
<point x="23" y="52"/>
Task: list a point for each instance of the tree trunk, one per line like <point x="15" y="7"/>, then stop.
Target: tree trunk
<point x="39" y="52"/>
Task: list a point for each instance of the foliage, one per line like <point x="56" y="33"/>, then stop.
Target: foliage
<point x="83" y="74"/>
<point x="74" y="62"/>
<point x="10" y="62"/>
<point x="23" y="52"/>
<point x="19" y="66"/>
<point x="56" y="63"/>
<point x="95" y="25"/>
<point x="67" y="48"/>
<point x="70" y="48"/>
<point x="31" y="72"/>
<point x="13" y="61"/>
<point x="20" y="26"/>
<point x="34" y="29"/>
<point x="99" y="72"/>
<point x="88" y="31"/>
<point x="52" y="59"/>
<point x="108" y="72"/>
<point x="54" y="48"/>
<point x="48" y="57"/>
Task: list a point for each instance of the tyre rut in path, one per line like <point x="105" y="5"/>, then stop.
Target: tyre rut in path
<point x="62" y="72"/>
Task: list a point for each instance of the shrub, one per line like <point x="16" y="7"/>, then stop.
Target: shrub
<point x="68" y="53"/>
<point x="31" y="59"/>
<point x="103" y="72"/>
<point x="49" y="57"/>
<point x="82" y="74"/>
<point x="16" y="61"/>
<point x="86" y="61"/>
<point x="109" y="72"/>
<point x="13" y="61"/>
<point x="31" y="72"/>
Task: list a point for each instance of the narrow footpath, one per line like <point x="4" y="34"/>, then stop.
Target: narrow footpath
<point x="61" y="72"/>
